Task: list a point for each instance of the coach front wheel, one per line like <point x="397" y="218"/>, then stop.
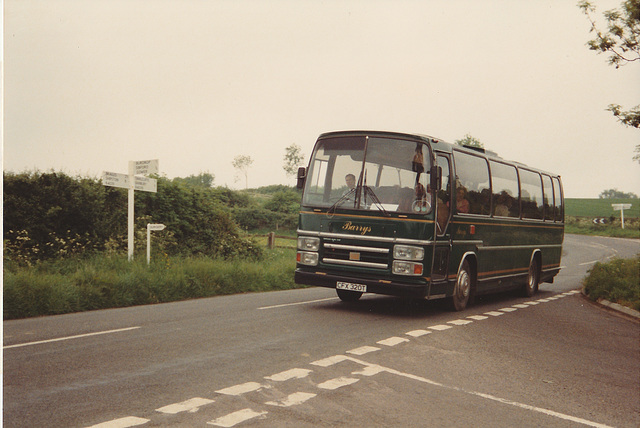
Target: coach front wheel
<point x="348" y="296"/>
<point x="462" y="289"/>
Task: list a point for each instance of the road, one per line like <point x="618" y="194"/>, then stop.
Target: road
<point x="303" y="358"/>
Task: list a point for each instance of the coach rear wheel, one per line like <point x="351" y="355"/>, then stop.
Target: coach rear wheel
<point x="533" y="279"/>
<point x="348" y="296"/>
<point x="462" y="289"/>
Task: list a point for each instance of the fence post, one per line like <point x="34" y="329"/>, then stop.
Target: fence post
<point x="271" y="240"/>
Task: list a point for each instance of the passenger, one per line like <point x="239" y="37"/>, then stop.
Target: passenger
<point x="462" y="204"/>
<point x="502" y="204"/>
<point x="423" y="199"/>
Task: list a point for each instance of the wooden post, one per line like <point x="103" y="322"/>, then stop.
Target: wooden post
<point x="271" y="240"/>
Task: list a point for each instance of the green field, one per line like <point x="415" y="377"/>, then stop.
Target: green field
<point x="600" y="207"/>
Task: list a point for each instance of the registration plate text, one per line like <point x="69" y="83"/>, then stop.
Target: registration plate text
<point x="351" y="286"/>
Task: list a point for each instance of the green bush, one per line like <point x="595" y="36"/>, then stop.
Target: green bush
<point x="102" y="281"/>
<point x="617" y="281"/>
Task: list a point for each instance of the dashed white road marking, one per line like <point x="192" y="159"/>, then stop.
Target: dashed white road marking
<point x="532" y="303"/>
<point x="459" y="322"/>
<point x="440" y="327"/>
<point x="392" y="341"/>
<point x="289" y="374"/>
<point x="129" y="421"/>
<point x="338" y="382"/>
<point x="478" y="317"/>
<point x="494" y="313"/>
<point x="508" y="309"/>
<point x="242" y="388"/>
<point x="191" y="406"/>
<point x="77" y="336"/>
<point x="363" y="350"/>
<point x="417" y="333"/>
<point x="292" y="400"/>
<point x="521" y="306"/>
<point x="329" y="361"/>
<point x="233" y="419"/>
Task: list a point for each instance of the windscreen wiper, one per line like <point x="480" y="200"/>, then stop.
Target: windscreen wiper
<point x="342" y="200"/>
<point x="368" y="191"/>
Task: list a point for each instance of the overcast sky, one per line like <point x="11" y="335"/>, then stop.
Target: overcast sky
<point x="92" y="84"/>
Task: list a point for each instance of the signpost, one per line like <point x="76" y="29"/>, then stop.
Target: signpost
<point x="133" y="181"/>
<point x="150" y="227"/>
<point x="621" y="208"/>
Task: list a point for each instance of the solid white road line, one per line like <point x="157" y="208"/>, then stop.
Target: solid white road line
<point x="297" y="303"/>
<point x="78" y="336"/>
<point x="482" y="395"/>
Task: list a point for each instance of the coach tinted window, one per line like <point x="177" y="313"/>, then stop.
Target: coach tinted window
<point x="473" y="193"/>
<point x="531" y="194"/>
<point x="504" y="183"/>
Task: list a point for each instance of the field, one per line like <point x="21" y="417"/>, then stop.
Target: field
<point x="600" y="208"/>
<point x="581" y="216"/>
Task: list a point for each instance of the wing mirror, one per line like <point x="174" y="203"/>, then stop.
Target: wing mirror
<point x="302" y="176"/>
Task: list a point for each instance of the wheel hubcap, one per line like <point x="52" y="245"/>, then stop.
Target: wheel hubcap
<point x="464" y="285"/>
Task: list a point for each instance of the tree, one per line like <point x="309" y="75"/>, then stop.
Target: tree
<point x="242" y="163"/>
<point x="292" y="159"/>
<point x="469" y="141"/>
<point x="204" y="179"/>
<point x="622" y="42"/>
<point x="617" y="194"/>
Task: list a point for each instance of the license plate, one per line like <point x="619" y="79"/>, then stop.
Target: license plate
<point x="351" y="286"/>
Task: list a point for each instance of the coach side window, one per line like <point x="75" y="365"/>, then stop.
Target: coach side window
<point x="473" y="193"/>
<point x="548" y="197"/>
<point x="531" y="194"/>
<point x="557" y="191"/>
<point x="505" y="192"/>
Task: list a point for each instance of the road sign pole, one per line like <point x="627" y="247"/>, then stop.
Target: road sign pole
<point x="621" y="208"/>
<point x="132" y="201"/>
<point x="150" y="227"/>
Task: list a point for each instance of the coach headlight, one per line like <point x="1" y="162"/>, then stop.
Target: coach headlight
<point x="308" y="243"/>
<point x="407" y="268"/>
<point x="407" y="252"/>
<point x="308" y="259"/>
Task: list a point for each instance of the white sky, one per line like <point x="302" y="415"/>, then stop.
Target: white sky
<point x="92" y="84"/>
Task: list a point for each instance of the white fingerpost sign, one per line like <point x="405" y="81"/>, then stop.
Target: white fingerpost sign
<point x="621" y="208"/>
<point x="133" y="181"/>
<point x="150" y="227"/>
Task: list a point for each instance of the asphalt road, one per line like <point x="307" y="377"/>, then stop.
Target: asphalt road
<point x="303" y="358"/>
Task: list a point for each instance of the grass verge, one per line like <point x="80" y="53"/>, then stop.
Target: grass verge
<point x="617" y="281"/>
<point x="613" y="227"/>
<point x="102" y="282"/>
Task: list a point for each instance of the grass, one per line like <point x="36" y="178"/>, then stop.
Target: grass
<point x="101" y="282"/>
<point x="580" y="214"/>
<point x="596" y="208"/>
<point x="617" y="281"/>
